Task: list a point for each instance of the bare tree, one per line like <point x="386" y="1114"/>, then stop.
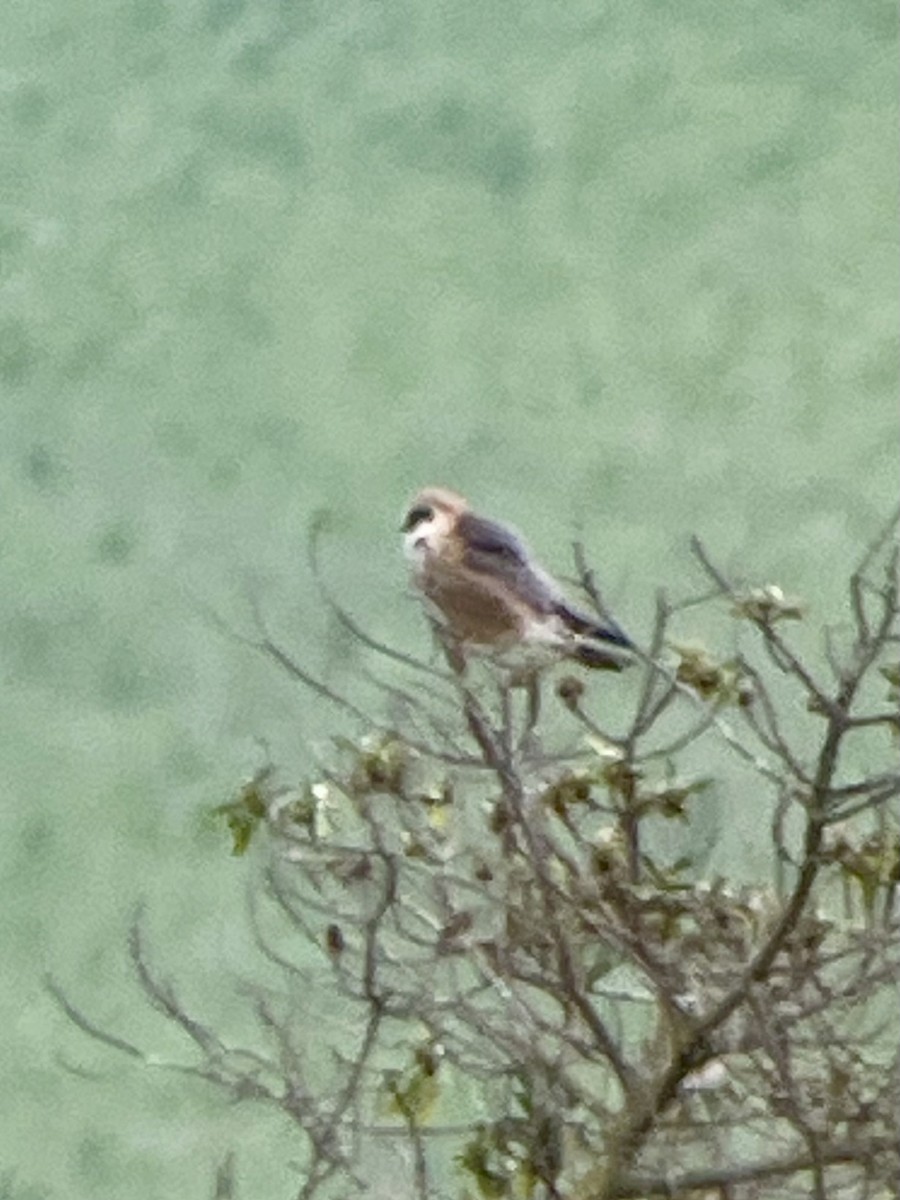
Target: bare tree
<point x="497" y="902"/>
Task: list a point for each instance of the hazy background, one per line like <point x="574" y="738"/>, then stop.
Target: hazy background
<point x="618" y="270"/>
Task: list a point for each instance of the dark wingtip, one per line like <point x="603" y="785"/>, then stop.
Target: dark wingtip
<point x="590" y="627"/>
<point x="614" y="635"/>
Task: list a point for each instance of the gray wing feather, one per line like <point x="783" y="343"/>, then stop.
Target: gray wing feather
<point x="495" y="551"/>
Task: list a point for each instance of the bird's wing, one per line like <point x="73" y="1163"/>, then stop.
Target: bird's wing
<point x="494" y="551"/>
<point x="605" y="630"/>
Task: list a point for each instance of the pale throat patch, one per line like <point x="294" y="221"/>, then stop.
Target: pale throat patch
<point x="427" y="538"/>
<point x="415" y="545"/>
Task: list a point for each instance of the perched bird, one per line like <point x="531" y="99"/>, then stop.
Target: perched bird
<point x="491" y="595"/>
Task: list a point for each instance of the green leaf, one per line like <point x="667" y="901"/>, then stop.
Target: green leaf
<point x="246" y="812"/>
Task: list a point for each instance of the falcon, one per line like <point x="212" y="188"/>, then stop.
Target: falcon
<point x="491" y="596"/>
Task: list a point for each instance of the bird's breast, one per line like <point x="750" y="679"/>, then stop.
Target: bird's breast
<point x="476" y="610"/>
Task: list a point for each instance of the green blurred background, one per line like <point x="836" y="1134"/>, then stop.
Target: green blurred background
<point x="623" y="271"/>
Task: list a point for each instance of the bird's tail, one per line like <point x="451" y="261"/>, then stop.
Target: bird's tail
<point x="590" y="655"/>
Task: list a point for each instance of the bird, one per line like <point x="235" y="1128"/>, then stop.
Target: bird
<point x="489" y="594"/>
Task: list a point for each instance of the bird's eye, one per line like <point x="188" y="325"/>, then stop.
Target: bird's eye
<point x="416" y="516"/>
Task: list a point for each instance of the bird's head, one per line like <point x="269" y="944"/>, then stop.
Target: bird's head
<point x="430" y="521"/>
